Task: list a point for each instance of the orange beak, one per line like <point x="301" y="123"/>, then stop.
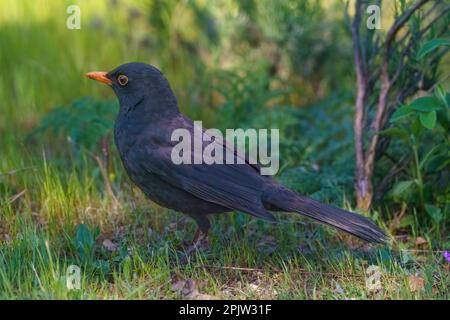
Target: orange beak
<point x="99" y="76"/>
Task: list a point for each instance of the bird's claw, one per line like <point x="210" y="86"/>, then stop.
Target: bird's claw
<point x="200" y="242"/>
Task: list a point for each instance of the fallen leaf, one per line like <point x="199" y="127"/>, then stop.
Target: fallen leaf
<point x="188" y="288"/>
<point x="253" y="287"/>
<point x="262" y="290"/>
<point x="420" y="241"/>
<point x="338" y="289"/>
<point x="416" y="283"/>
<point x="177" y="286"/>
<point x="17" y="196"/>
<point x="109" y="245"/>
<point x="120" y="233"/>
<point x="6" y="238"/>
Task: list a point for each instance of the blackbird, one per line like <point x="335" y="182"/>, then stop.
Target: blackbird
<point x="149" y="114"/>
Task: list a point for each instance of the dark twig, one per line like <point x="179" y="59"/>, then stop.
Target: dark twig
<point x="12" y="172"/>
<point x="17" y="196"/>
<point x="365" y="159"/>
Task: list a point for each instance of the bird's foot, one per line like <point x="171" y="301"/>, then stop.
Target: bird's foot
<point x="201" y="242"/>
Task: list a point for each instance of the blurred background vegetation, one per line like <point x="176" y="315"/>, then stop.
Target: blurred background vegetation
<point x="263" y="64"/>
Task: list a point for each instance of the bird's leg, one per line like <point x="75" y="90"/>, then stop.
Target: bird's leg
<point x="196" y="235"/>
<point x="201" y="239"/>
<point x="202" y="231"/>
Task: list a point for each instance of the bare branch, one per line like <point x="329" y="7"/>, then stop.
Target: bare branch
<point x="361" y="96"/>
<point x="360" y="72"/>
<point x="386" y="82"/>
<point x="426" y="15"/>
<point x="400" y="22"/>
<point x="406" y="50"/>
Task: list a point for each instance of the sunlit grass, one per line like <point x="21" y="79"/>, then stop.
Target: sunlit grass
<point x="248" y="258"/>
<point x="43" y="62"/>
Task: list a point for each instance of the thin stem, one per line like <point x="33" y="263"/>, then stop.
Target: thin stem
<point x="418" y="174"/>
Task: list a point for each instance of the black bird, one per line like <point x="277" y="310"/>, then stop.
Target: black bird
<point x="148" y="115"/>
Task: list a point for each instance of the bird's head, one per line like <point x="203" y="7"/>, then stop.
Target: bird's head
<point x="136" y="82"/>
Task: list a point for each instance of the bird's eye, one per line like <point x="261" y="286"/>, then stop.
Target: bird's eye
<point x="123" y="80"/>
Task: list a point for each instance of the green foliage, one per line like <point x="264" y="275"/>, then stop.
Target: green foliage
<point x="425" y="108"/>
<point x="307" y="35"/>
<point x="84" y="243"/>
<point x="418" y="123"/>
<point x="401" y="188"/>
<point x="85" y="121"/>
<point x="419" y="133"/>
<point x="85" y="247"/>
<point x="246" y="94"/>
<point x="431" y="45"/>
<point x="316" y="153"/>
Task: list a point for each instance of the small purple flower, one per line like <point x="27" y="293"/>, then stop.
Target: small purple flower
<point x="446" y="255"/>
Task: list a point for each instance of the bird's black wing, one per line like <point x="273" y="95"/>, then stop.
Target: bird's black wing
<point x="235" y="186"/>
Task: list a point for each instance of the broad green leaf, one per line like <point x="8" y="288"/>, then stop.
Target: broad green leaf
<point x="84" y="235"/>
<point x="431" y="45"/>
<point x="444" y="164"/>
<point x="416" y="128"/>
<point x="395" y="131"/>
<point x="434" y="212"/>
<point x="428" y="120"/>
<point x="401" y="112"/>
<point x="440" y="95"/>
<point x="425" y="104"/>
<point x="401" y="187"/>
<point x="428" y="155"/>
<point x="406" y="221"/>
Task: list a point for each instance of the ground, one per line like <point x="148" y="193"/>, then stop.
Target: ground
<point x="134" y="250"/>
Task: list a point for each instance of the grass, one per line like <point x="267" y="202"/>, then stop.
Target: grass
<point x="47" y="197"/>
<point x="42" y="207"/>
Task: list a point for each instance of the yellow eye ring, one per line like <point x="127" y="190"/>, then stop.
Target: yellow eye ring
<point x="123" y="80"/>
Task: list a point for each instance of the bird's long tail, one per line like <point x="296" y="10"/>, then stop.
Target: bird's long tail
<point x="352" y="223"/>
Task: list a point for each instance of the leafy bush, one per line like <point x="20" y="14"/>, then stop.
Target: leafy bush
<point x="85" y="247"/>
<point x="86" y="121"/>
<point x="422" y="128"/>
<point x="317" y="152"/>
<point x="247" y="93"/>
